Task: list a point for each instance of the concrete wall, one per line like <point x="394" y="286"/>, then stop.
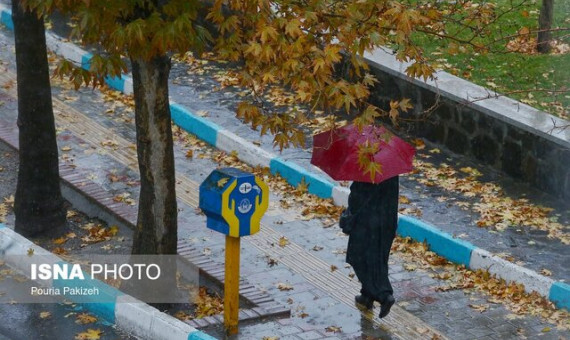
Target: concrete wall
<point x="508" y="135"/>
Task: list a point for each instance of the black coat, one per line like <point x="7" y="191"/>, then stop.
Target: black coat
<point x="370" y="240"/>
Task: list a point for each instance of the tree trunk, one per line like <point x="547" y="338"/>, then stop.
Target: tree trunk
<point x="38" y="202"/>
<point x="544" y="26"/>
<point x="156" y="231"/>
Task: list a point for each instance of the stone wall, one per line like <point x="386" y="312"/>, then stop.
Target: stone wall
<point x="501" y="132"/>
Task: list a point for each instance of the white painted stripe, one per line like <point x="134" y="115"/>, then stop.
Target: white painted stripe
<point x="14" y="249"/>
<point x="67" y="50"/>
<point x="532" y="281"/>
<point x="147" y="322"/>
<point x="340" y="195"/>
<point x="133" y="316"/>
<point x="247" y="152"/>
<point x="128" y="87"/>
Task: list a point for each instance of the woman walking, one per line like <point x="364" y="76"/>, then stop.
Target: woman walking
<point x="375" y="212"/>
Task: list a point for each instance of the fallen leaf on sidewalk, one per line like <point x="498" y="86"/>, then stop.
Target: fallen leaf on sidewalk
<point x="208" y="304"/>
<point x="480" y="308"/>
<point x="84" y="318"/>
<point x="91" y="334"/>
<point x="284" y="287"/>
<point x="333" y="329"/>
<point x="271" y="261"/>
<point x="283" y="241"/>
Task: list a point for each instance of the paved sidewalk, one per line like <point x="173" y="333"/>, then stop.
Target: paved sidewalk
<point x="320" y="298"/>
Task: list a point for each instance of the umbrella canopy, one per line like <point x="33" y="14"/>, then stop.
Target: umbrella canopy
<point x="336" y="153"/>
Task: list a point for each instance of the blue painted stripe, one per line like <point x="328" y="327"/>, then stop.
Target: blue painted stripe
<point x="86" y="61"/>
<point x="2" y="225"/>
<point x="203" y="128"/>
<point x="198" y="335"/>
<point x="560" y="294"/>
<point x="455" y="250"/>
<point x="106" y="309"/>
<point x="6" y="18"/>
<point x="294" y="174"/>
<point x="118" y="83"/>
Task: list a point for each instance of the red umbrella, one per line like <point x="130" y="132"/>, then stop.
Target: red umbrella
<point x="336" y="153"/>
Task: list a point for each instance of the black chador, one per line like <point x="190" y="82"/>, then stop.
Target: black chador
<point x="375" y="209"/>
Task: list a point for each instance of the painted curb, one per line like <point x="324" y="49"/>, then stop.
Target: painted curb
<point x="455" y="250"/>
<point x="127" y="313"/>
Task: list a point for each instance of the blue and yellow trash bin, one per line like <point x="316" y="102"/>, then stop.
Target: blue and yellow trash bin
<point x="234" y="202"/>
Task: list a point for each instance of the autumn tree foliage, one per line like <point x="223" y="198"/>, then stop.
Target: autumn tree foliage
<point x="38" y="202"/>
<point x="312" y="47"/>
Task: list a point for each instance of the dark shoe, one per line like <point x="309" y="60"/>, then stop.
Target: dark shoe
<point x="386" y="305"/>
<point x="364" y="301"/>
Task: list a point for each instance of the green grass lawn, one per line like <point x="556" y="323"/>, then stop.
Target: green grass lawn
<point x="542" y="81"/>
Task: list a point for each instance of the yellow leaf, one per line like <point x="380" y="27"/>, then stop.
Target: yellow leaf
<point x="60" y="240"/>
<point x="284" y="287"/>
<point x="283" y="241"/>
<point x="85" y="318"/>
<point x="45" y="315"/>
<point x="222" y="182"/>
<point x="59" y="251"/>
<point x="66" y="148"/>
<point x="113" y="230"/>
<point x="405" y="105"/>
<point x="91" y="334"/>
<point x="333" y="329"/>
<point x="189" y="154"/>
<point x="30" y="251"/>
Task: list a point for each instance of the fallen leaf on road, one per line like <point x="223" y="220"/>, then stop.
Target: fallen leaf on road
<point x="91" y="334"/>
<point x="546" y="272"/>
<point x="333" y="268"/>
<point x="60" y="240"/>
<point x="182" y="315"/>
<point x="59" y="251"/>
<point x="45" y="315"/>
<point x="84" y="318"/>
<point x="30" y="251"/>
